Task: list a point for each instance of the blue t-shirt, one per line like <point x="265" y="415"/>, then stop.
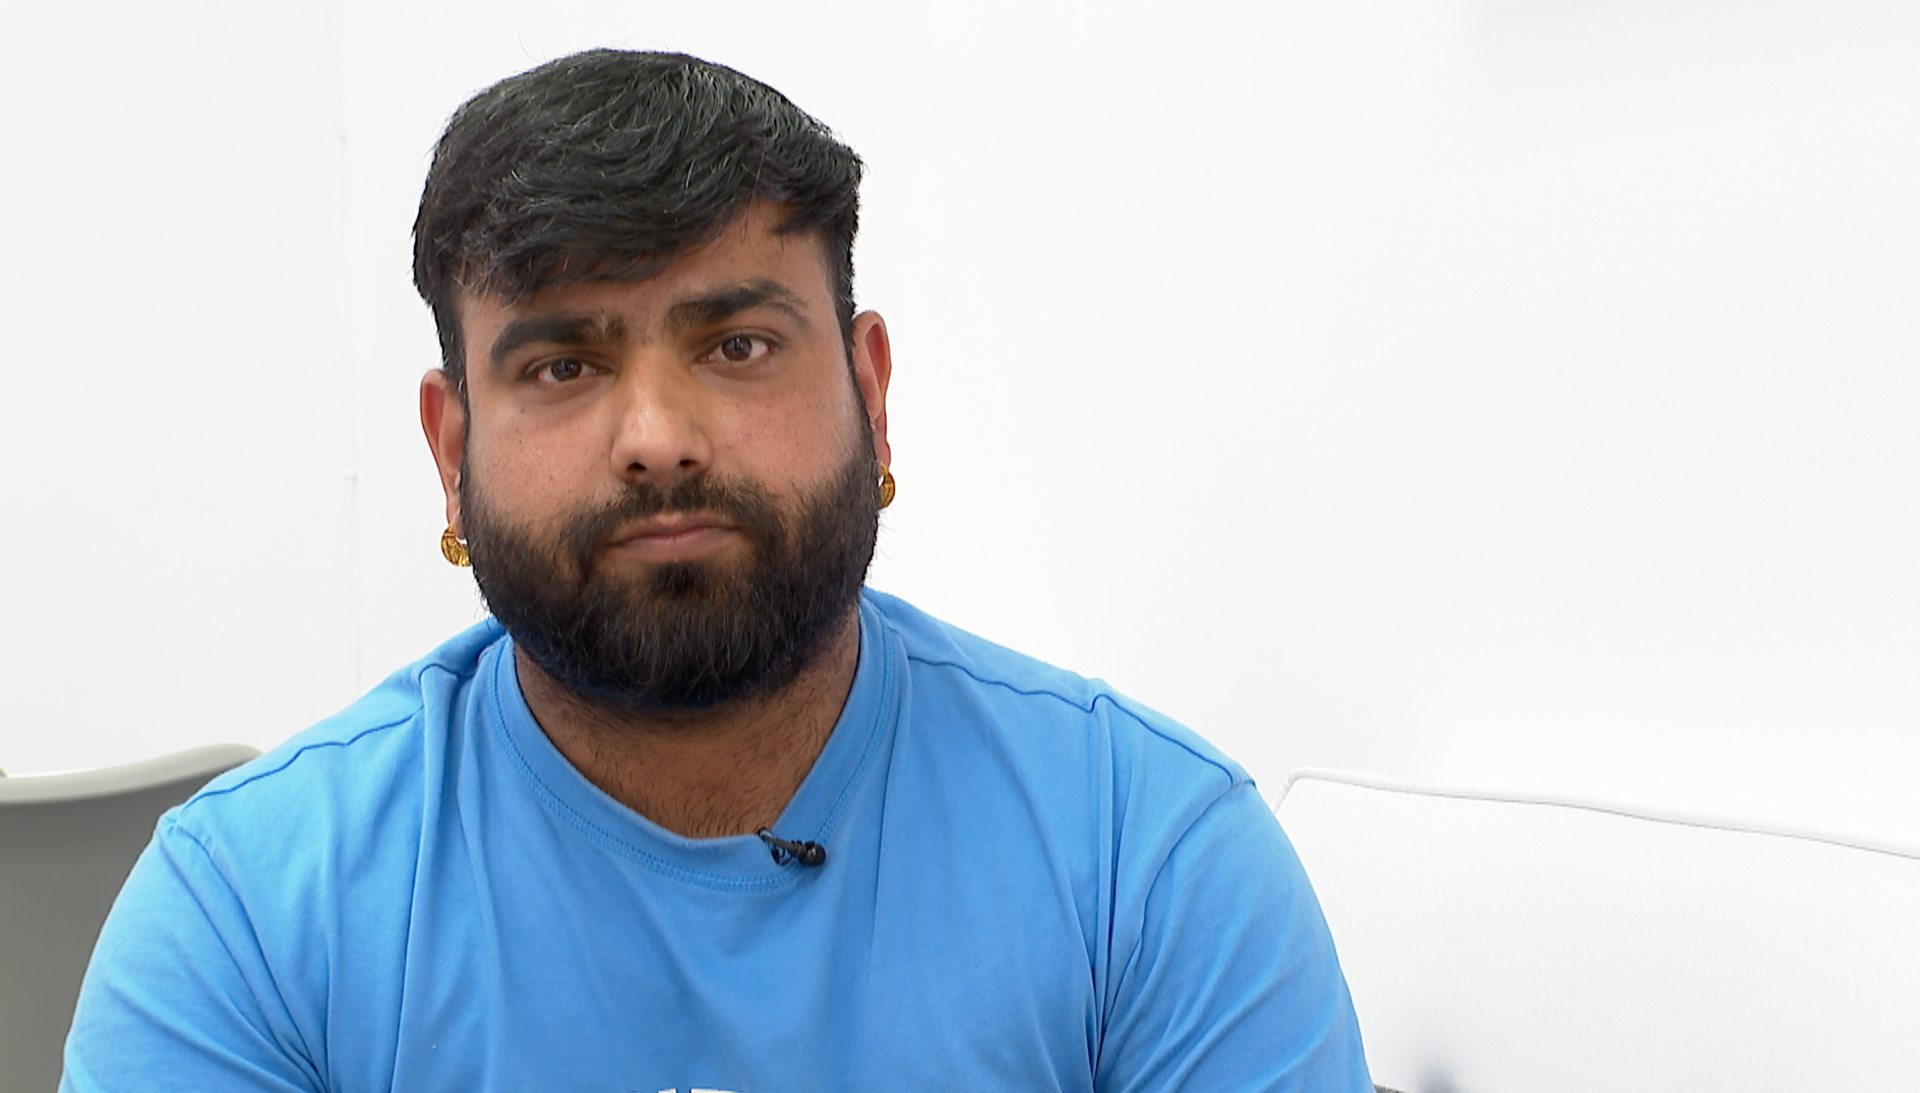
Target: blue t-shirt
<point x="1032" y="884"/>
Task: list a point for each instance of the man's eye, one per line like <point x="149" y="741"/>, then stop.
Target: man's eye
<point x="739" y="349"/>
<point x="561" y="370"/>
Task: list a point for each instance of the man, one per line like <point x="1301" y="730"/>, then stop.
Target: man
<point x="696" y="811"/>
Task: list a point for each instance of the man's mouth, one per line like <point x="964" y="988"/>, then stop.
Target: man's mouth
<point x="673" y="537"/>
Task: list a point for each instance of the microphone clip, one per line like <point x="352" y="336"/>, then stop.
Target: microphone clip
<point x="809" y="854"/>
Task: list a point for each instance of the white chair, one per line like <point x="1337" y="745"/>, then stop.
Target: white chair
<point x="1498" y="943"/>
<point x="66" y="844"/>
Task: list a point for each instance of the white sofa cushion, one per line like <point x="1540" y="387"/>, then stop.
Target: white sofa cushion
<point x="1509" y="944"/>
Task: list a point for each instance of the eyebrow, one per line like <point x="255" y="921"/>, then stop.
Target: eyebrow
<point x="601" y="329"/>
<point x="562" y="329"/>
<point x="718" y="307"/>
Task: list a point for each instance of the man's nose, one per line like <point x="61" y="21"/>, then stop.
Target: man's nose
<point x="662" y="430"/>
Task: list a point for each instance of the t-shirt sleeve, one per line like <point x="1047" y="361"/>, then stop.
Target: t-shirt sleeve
<point x="180" y="995"/>
<point x="1230" y="983"/>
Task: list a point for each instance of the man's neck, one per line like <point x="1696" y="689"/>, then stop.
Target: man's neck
<point x="729" y="770"/>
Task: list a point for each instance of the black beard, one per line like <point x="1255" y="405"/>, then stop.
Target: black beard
<point x="688" y="635"/>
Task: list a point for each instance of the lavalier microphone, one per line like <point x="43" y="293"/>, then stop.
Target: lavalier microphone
<point x="811" y="855"/>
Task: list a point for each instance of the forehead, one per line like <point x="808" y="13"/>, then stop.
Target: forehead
<point x="749" y="250"/>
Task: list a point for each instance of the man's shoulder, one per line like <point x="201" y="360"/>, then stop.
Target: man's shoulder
<point x="1039" y="696"/>
<point x="361" y="751"/>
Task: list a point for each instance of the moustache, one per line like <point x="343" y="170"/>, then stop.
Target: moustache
<point x="744" y="504"/>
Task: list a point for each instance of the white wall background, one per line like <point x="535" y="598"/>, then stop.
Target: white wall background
<point x="1520" y="393"/>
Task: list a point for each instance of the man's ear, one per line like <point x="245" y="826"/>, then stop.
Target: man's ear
<point x="872" y="369"/>
<point x="444" y="419"/>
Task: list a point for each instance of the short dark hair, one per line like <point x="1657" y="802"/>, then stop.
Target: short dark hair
<point x="608" y="165"/>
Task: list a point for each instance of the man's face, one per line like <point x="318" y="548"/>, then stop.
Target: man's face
<point x="668" y="487"/>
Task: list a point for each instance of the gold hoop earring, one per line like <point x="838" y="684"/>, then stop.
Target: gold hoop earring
<point x="886" y="486"/>
<point x="452" y="549"/>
